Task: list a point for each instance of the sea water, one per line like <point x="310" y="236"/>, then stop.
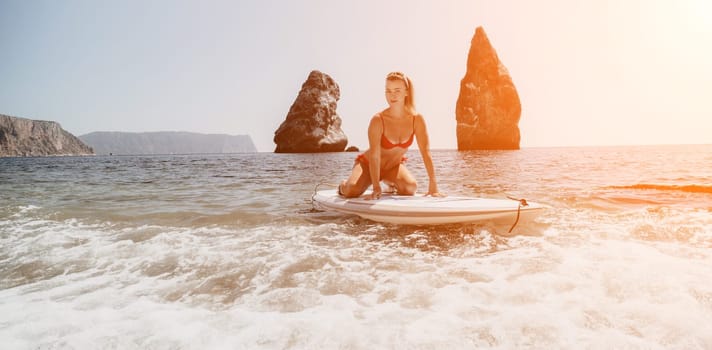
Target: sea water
<point x="227" y="252"/>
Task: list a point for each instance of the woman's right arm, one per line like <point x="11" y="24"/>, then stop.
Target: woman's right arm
<point x="375" y="130"/>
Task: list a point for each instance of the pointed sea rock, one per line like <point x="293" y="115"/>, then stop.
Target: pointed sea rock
<point x="312" y="124"/>
<point x="488" y="107"/>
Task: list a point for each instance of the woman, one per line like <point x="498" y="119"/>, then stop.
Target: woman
<point x="390" y="133"/>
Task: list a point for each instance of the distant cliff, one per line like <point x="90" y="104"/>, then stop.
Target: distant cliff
<point x="20" y="137"/>
<point x="167" y="142"/>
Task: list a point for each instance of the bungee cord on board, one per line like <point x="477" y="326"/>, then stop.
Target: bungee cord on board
<point x="522" y="203"/>
<point x="316" y="189"/>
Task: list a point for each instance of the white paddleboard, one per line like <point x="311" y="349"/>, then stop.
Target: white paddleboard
<point x="422" y="210"/>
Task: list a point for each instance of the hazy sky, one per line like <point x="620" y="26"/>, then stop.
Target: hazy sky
<point x="587" y="72"/>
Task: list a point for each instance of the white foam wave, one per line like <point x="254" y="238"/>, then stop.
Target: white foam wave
<point x="70" y="284"/>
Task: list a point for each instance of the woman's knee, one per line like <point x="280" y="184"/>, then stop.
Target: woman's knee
<point x="350" y="190"/>
<point x="407" y="188"/>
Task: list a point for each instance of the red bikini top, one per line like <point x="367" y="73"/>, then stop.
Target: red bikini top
<point x="386" y="143"/>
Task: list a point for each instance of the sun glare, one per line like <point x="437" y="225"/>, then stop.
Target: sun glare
<point x="699" y="15"/>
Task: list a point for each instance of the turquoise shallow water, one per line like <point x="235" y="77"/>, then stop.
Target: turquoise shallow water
<point x="225" y="251"/>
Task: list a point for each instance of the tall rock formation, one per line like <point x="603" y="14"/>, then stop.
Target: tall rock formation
<point x="488" y="107"/>
<point x="20" y="137"/>
<point x="312" y="124"/>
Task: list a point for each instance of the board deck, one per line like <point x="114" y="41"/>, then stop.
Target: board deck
<point x="421" y="210"/>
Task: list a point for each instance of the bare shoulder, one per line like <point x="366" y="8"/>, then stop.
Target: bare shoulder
<point x="418" y="120"/>
<point x="376" y="124"/>
<point x="376" y="119"/>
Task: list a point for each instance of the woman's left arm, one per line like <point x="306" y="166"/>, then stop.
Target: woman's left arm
<point x="421" y="133"/>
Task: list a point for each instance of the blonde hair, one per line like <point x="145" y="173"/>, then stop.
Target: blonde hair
<point x="410" y="99"/>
